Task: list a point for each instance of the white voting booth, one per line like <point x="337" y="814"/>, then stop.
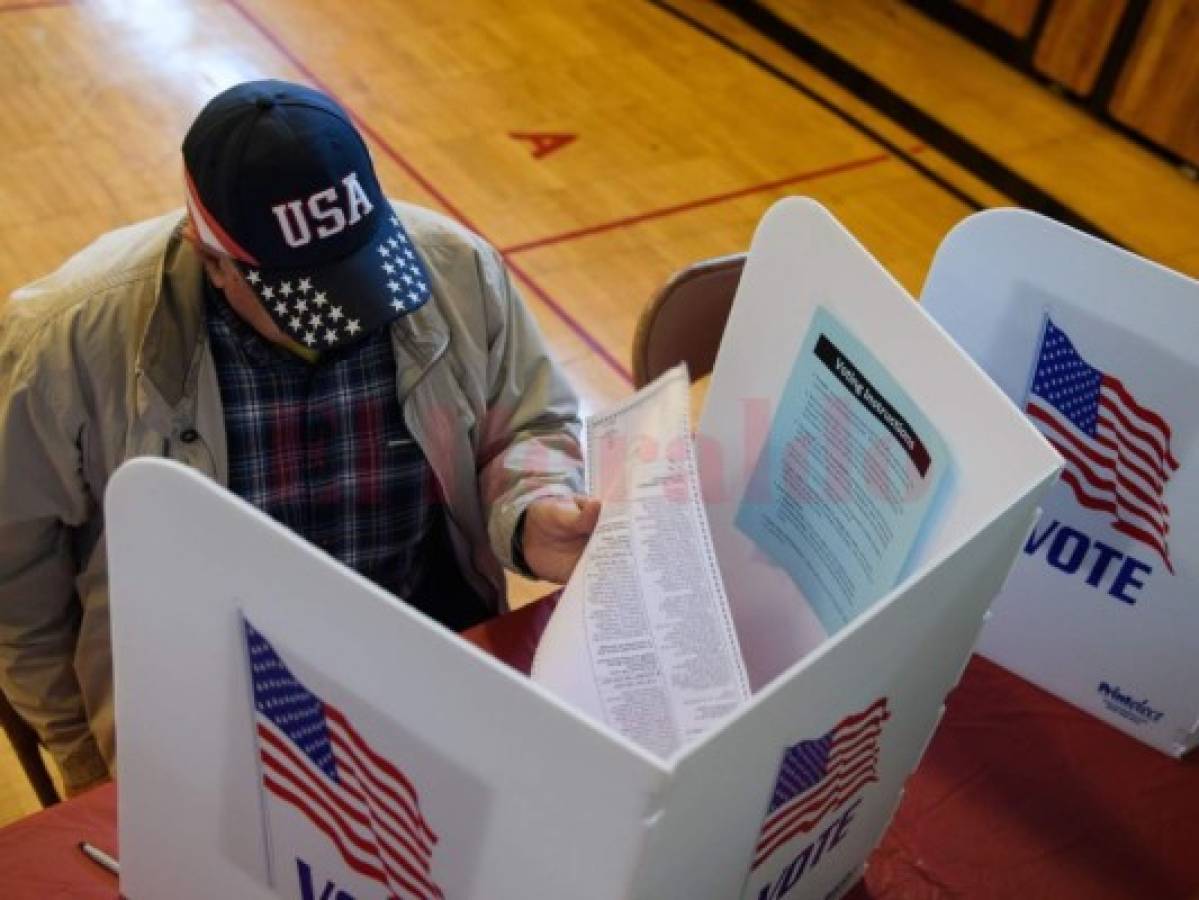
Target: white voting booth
<point x="507" y="792"/>
<point x="1101" y="347"/>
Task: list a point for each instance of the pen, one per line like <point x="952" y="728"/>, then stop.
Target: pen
<point x="100" y="858"/>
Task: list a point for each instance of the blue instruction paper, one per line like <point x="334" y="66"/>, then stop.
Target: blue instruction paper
<point x="845" y="478"/>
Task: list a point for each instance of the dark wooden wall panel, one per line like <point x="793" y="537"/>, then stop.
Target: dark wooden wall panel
<point x="1158" y="91"/>
<point x="1013" y="16"/>
<point x="1075" y="41"/>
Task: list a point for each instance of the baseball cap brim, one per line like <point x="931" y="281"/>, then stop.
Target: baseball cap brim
<point x="335" y="304"/>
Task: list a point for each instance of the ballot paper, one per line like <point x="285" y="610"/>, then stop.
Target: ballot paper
<point x="642" y="638"/>
<point x="846" y="477"/>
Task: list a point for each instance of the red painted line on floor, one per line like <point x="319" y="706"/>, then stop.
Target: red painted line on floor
<point x="625" y="222"/>
<point x="573" y="324"/>
<point x="34" y="4"/>
<point x="391" y="153"/>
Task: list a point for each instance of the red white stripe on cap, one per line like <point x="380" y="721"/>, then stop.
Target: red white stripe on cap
<point x="211" y="234"/>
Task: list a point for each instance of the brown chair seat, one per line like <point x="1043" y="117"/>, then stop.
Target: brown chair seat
<point x="685" y="320"/>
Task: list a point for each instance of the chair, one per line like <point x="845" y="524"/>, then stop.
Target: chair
<point x="25" y="744"/>
<point x="686" y="318"/>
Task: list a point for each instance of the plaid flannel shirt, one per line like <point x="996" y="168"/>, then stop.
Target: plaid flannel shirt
<point x="323" y="449"/>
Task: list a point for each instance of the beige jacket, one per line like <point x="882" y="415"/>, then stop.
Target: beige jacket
<point x="107" y="358"/>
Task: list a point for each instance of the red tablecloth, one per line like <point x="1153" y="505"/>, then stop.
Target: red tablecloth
<point x="40" y="857"/>
<point x="1019" y="796"/>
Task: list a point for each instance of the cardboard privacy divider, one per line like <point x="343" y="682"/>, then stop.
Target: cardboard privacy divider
<point x="1100" y="347"/>
<point x="229" y="631"/>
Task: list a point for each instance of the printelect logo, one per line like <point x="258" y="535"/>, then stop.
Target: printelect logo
<point x="1122" y="704"/>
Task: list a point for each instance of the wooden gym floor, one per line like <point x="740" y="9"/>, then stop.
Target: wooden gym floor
<point x="685" y="124"/>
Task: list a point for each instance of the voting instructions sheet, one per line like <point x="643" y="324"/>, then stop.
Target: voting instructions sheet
<point x="845" y="478"/>
<point x="642" y="638"/>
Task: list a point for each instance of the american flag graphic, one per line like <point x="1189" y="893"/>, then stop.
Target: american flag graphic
<point x="816" y="777"/>
<point x="314" y="760"/>
<point x="1117" y="451"/>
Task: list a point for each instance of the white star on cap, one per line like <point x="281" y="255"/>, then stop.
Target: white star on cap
<point x="316" y="321"/>
<point x="397" y="304"/>
<point x="395" y="223"/>
<point x="253" y="277"/>
<point x="335" y="313"/>
<point x="309" y="338"/>
<point x="268" y="293"/>
<point x="295" y="323"/>
<point x="393" y="286"/>
<point x="320" y="298"/>
<point x="388" y="268"/>
<point x="352" y="326"/>
<point x="281" y="308"/>
<point x="285" y="289"/>
<point x="392" y="241"/>
<point x="413" y="296"/>
<point x="301" y="305"/>
<point x="330" y="336"/>
<point x="383" y="251"/>
<point x="305" y="285"/>
<point x="406" y="278"/>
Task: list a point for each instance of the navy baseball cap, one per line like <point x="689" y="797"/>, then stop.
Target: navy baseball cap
<point x="279" y="179"/>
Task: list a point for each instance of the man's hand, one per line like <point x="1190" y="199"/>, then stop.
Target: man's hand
<point x="556" y="531"/>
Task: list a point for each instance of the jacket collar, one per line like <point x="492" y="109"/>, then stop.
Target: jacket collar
<point x="168" y="353"/>
<point x="419" y="339"/>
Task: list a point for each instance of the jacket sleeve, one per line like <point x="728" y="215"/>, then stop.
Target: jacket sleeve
<point x="530" y="439"/>
<point x="42" y="499"/>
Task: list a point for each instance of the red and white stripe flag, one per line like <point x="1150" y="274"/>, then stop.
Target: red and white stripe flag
<point x="818" y="776"/>
<point x="1117" y="451"/>
<point x="314" y="760"/>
